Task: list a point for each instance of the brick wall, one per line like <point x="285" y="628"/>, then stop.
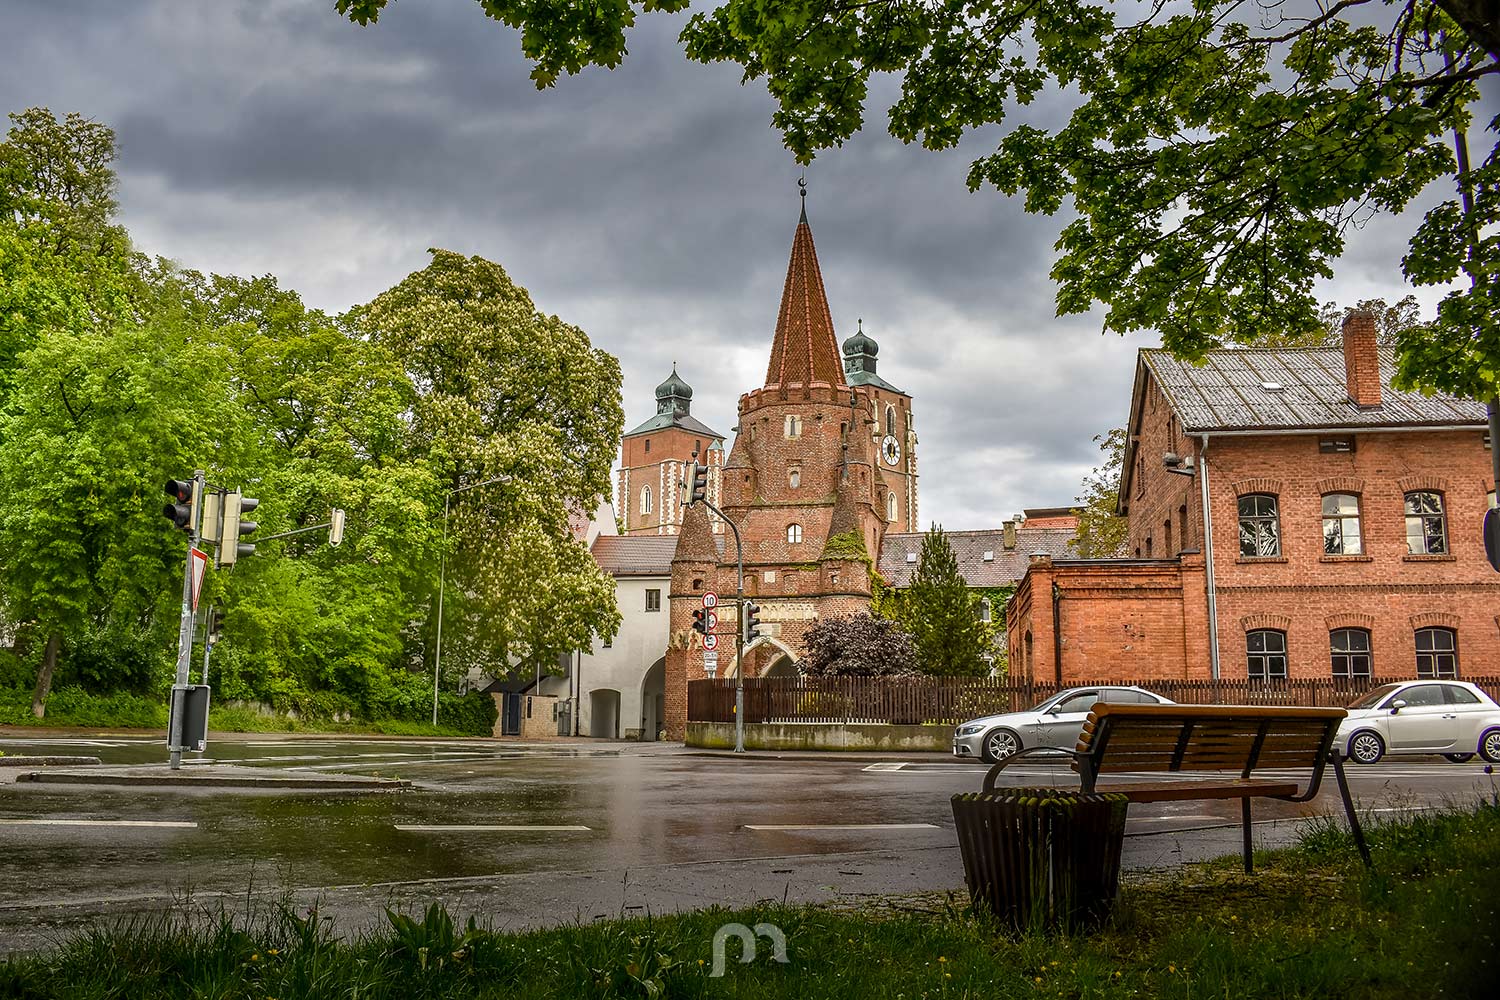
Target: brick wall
<point x="1385" y="586"/>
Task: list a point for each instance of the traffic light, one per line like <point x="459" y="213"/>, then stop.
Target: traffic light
<point x="700" y="621"/>
<point x="183" y="511"/>
<point x="752" y="622"/>
<point x="699" y="484"/>
<point x="336" y="527"/>
<point x="233" y="527"/>
<point x="213" y="515"/>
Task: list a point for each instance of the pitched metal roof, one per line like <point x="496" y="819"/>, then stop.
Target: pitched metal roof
<point x="683" y="421"/>
<point x="1004" y="570"/>
<point x="870" y="378"/>
<point x="635" y="555"/>
<point x="1238" y="390"/>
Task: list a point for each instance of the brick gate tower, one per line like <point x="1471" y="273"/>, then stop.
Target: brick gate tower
<point x="821" y="467"/>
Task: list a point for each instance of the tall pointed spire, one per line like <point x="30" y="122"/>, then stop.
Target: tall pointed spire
<point x="805" y="350"/>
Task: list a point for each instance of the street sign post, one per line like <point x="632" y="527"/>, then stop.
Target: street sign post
<point x="710" y="599"/>
<point x="710" y="642"/>
<point x="710" y="661"/>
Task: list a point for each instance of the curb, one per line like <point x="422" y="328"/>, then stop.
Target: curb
<point x="213" y="780"/>
<point x="47" y="761"/>
<point x="815" y="757"/>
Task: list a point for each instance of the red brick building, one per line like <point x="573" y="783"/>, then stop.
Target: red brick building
<point x="1343" y="530"/>
<point x="654" y="458"/>
<point x="822" y="466"/>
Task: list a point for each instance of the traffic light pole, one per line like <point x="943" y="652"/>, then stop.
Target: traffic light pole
<point x="184" y="638"/>
<point x="739" y="631"/>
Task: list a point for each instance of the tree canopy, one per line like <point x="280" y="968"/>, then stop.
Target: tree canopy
<point x="1101" y="530"/>
<point x="1213" y="159"/>
<point x="942" y="614"/>
<point x="860" y="645"/>
<point x="117" y="371"/>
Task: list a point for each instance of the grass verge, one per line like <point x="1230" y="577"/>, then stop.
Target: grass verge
<point x="1311" y="923"/>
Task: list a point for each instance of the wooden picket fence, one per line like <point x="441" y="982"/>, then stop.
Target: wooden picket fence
<point x="950" y="700"/>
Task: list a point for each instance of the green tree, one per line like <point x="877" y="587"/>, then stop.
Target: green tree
<point x="95" y="420"/>
<point x="942" y="614"/>
<point x="505" y="391"/>
<point x="1215" y="155"/>
<point x="1101" y="530"/>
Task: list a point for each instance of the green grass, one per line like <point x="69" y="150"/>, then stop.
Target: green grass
<point x="1311" y="923"/>
<point x="72" y="707"/>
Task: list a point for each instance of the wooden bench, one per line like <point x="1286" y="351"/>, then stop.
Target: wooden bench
<point x="1206" y="741"/>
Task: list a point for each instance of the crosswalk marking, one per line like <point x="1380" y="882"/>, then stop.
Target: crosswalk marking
<point x="767" y="827"/>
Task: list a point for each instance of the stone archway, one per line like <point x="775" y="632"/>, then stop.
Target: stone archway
<point x="654" y="699"/>
<point x="604" y="713"/>
<point x="769" y="653"/>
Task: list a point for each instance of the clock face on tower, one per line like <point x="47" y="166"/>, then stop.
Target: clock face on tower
<point x="890" y="450"/>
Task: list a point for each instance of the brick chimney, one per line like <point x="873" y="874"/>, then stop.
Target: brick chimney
<point x="1010" y="535"/>
<point x="1361" y="361"/>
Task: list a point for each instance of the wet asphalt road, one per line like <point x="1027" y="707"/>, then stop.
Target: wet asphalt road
<point x="680" y="829"/>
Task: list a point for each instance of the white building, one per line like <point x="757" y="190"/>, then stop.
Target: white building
<point x="620" y="686"/>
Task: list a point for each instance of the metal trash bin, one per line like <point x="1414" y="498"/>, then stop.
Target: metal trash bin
<point x="1042" y="857"/>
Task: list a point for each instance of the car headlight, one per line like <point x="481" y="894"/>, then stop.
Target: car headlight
<point x="970" y="728"/>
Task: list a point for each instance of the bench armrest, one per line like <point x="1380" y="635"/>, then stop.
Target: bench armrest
<point x="994" y="771"/>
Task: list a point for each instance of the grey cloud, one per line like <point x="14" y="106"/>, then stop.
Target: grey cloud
<point x="652" y="205"/>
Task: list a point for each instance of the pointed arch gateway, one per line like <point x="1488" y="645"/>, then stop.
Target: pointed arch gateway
<point x="784" y="664"/>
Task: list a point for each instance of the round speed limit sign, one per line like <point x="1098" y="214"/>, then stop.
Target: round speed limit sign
<point x="710" y="641"/>
<point x="710" y="599"/>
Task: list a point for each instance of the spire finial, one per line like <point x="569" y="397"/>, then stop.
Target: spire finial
<point x="802" y="190"/>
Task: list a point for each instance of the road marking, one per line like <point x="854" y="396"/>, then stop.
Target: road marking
<point x="892" y="766"/>
<point x="163" y="823"/>
<point x="764" y="827"/>
<point x="488" y="828"/>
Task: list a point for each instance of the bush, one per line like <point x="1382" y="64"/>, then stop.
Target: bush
<point x="73" y="706"/>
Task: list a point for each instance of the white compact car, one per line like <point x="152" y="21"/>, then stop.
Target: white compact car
<point x="1452" y="718"/>
<point x="1056" y="722"/>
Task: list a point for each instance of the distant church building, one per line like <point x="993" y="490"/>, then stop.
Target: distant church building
<point x="823" y="465"/>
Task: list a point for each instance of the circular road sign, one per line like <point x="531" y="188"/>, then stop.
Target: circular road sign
<point x="710" y="641"/>
<point x="710" y="599"/>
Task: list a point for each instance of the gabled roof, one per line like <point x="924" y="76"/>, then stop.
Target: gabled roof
<point x="635" y="555"/>
<point x="1004" y="570"/>
<point x="804" y="350"/>
<point x="1228" y="392"/>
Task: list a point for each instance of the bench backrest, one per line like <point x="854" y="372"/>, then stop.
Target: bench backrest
<point x="1240" y="738"/>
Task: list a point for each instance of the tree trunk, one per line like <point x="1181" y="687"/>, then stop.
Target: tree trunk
<point x="44" y="676"/>
<point x="1480" y="20"/>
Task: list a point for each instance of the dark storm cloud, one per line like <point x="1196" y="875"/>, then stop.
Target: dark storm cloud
<point x="652" y="205"/>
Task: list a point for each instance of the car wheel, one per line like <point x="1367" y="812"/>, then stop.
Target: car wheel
<point x="1459" y="758"/>
<point x="1366" y="747"/>
<point x="999" y="744"/>
<point x="1489" y="746"/>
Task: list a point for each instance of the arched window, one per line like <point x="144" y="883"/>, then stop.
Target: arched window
<point x="1437" y="652"/>
<point x="1351" y="654"/>
<point x="794" y="533"/>
<point x="1426" y="524"/>
<point x="645" y="500"/>
<point x="1341" y="525"/>
<point x="1260" y="525"/>
<point x="1266" y="655"/>
<point x="793" y="425"/>
<point x="794" y="476"/>
<point x="890" y="506"/>
<point x="890" y="420"/>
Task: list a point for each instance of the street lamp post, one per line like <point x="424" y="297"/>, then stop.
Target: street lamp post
<point x="437" y="659"/>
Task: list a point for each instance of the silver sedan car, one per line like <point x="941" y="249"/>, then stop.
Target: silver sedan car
<point x="1452" y="718"/>
<point x="1056" y="722"/>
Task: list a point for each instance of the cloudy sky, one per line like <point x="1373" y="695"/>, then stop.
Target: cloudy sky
<point x="653" y="205"/>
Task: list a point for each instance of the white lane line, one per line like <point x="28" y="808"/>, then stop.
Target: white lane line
<point x="763" y="827"/>
<point x="488" y="828"/>
<point x="162" y="823"/>
<point x="892" y="766"/>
